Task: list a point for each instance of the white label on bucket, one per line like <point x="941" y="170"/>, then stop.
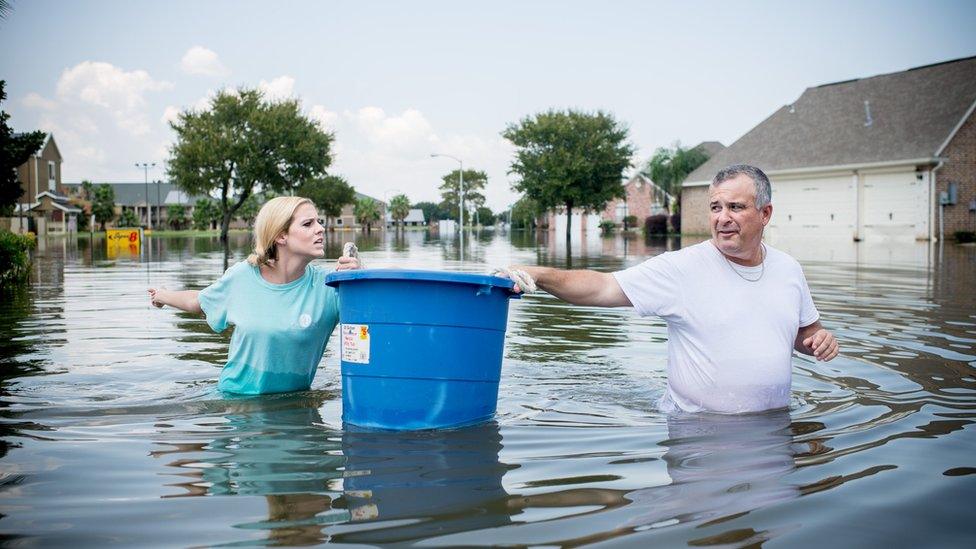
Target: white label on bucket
<point x="355" y="343"/>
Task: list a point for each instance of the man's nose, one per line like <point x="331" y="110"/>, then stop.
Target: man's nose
<point x="723" y="216"/>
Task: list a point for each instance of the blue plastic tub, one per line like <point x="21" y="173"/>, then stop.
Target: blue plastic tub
<point x="420" y="349"/>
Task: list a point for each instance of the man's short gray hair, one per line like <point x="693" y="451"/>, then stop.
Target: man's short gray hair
<point x="764" y="190"/>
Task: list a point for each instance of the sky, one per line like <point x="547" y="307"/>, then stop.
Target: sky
<point x="398" y="81"/>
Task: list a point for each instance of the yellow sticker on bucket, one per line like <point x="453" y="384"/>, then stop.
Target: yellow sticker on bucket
<point x="355" y="343"/>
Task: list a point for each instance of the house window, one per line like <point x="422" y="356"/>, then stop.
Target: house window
<point x="52" y="181"/>
<point x="621" y="211"/>
<point x="338" y="221"/>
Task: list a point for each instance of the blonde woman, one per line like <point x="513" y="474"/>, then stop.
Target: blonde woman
<point x="281" y="309"/>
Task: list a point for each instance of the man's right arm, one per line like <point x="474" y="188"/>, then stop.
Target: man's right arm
<point x="579" y="287"/>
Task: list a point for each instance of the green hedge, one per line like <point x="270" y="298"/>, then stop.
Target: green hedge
<point x="14" y="256"/>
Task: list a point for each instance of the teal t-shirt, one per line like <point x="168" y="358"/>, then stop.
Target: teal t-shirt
<point x="280" y="330"/>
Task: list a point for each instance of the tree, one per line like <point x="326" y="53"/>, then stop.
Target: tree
<point x="176" y="216"/>
<point x="329" y="193"/>
<point x="474" y="181"/>
<point x="87" y="190"/>
<point x="432" y="212"/>
<point x="205" y="213"/>
<point x="399" y="209"/>
<point x="248" y="211"/>
<point x="128" y="219"/>
<point x="485" y="216"/>
<point x="367" y="212"/>
<point x="525" y="212"/>
<point x="14" y="151"/>
<point x="103" y="204"/>
<point x="572" y="159"/>
<point x="242" y="143"/>
<point x="668" y="168"/>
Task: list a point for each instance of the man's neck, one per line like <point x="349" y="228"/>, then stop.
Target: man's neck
<point x="751" y="258"/>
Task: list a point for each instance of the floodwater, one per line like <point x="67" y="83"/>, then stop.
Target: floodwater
<point x="112" y="433"/>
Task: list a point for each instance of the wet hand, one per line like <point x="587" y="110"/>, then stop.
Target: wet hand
<point x="154" y="298"/>
<point x="524" y="283"/>
<point x="822" y="344"/>
<point x="348" y="264"/>
<point x="349" y="260"/>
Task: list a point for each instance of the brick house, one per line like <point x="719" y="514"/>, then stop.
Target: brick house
<point x="869" y="158"/>
<point x="644" y="199"/>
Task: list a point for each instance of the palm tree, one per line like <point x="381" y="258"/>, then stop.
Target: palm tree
<point x="367" y="212"/>
<point x="399" y="209"/>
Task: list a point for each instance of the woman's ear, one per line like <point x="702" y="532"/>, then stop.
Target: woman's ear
<point x="281" y="238"/>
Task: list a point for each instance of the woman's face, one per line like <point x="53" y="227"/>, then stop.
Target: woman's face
<point x="305" y="236"/>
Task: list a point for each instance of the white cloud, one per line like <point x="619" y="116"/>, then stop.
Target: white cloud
<point x="278" y="89"/>
<point x="410" y="131"/>
<point x="120" y="93"/>
<point x="202" y="61"/>
<point x="36" y="101"/>
<point x="325" y="118"/>
<point x="170" y="114"/>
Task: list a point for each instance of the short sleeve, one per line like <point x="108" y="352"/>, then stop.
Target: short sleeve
<point x="653" y="287"/>
<point x="215" y="299"/>
<point x="808" y="311"/>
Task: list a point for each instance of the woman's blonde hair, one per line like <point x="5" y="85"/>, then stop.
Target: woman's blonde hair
<point x="273" y="220"/>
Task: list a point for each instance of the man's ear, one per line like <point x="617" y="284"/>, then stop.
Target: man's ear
<point x="767" y="213"/>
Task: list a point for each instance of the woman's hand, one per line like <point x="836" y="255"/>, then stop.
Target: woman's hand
<point x="347" y="263"/>
<point x="349" y="260"/>
<point x="155" y="298"/>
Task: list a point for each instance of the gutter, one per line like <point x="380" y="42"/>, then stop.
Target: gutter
<point x="835" y="168"/>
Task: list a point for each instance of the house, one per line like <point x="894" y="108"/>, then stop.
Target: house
<point x="43" y="208"/>
<point x="133" y="196"/>
<point x="644" y="199"/>
<point x="863" y="159"/>
<point x="347" y="219"/>
<point x="414" y="219"/>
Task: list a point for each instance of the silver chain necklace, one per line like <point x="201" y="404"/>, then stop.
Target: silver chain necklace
<point x="762" y="266"/>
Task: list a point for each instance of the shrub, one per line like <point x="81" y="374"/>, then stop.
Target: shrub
<point x="128" y="219"/>
<point x="656" y="224"/>
<point x="607" y="226"/>
<point x="676" y="222"/>
<point x="630" y="222"/>
<point x="14" y="256"/>
<point x="965" y="236"/>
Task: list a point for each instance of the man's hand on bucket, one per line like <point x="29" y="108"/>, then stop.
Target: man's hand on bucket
<point x="349" y="260"/>
<point x="524" y="283"/>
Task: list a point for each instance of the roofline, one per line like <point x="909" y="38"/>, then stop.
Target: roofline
<point x="835" y="168"/>
<point x="895" y="72"/>
<point x="955" y="130"/>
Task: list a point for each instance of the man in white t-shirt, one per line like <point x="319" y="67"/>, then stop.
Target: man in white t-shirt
<point x="735" y="307"/>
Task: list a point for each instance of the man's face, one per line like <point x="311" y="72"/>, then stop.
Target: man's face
<point x="736" y="223"/>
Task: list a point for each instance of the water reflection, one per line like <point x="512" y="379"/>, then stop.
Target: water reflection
<point x="91" y="378"/>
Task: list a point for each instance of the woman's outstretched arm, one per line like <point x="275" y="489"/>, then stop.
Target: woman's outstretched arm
<point x="185" y="300"/>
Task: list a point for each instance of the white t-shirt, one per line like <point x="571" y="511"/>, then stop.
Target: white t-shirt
<point x="730" y="341"/>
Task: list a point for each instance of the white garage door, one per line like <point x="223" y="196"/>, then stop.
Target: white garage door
<point x="896" y="205"/>
<point x="823" y="206"/>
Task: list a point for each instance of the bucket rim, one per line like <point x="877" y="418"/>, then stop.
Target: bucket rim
<point x="335" y="278"/>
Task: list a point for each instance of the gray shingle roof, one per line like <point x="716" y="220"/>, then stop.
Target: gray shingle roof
<point x="133" y="194"/>
<point x="912" y="113"/>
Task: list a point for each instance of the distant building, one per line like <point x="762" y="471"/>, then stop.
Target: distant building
<point x="347" y="219"/>
<point x="132" y="196"/>
<point x="43" y="207"/>
<point x="414" y="219"/>
<point x="644" y="199"/>
<point x="865" y="158"/>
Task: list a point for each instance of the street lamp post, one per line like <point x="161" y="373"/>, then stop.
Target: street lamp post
<point x="145" y="171"/>
<point x="460" y="196"/>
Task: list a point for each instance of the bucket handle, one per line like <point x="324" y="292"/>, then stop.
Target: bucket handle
<point x="487" y="289"/>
